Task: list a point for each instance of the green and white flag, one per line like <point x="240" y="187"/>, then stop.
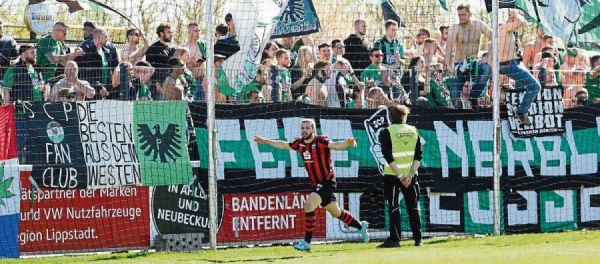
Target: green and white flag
<point x="588" y="26"/>
<point x="577" y="22"/>
<point x="574" y="21"/>
<point x="161" y="142"/>
<point x="259" y="17"/>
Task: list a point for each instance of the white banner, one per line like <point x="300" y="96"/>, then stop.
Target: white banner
<point x="253" y="22"/>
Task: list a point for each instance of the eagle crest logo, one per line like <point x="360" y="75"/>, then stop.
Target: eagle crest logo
<point x="164" y="147"/>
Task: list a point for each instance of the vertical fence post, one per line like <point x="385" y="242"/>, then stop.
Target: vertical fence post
<point x="414" y="88"/>
<point x="210" y="123"/>
<point x="275" y="87"/>
<point x="124" y="82"/>
<point x="496" y="117"/>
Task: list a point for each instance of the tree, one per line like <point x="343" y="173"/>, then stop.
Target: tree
<point x="147" y="11"/>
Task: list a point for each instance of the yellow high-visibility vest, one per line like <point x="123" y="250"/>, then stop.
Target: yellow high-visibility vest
<point x="404" y="139"/>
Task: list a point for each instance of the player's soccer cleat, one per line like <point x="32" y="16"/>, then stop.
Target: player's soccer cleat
<point x="364" y="232"/>
<point x="302" y="246"/>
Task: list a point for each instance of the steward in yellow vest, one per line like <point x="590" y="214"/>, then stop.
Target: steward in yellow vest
<point x="401" y="148"/>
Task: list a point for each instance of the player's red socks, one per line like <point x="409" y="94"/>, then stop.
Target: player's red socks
<point x="310" y="225"/>
<point x="348" y="219"/>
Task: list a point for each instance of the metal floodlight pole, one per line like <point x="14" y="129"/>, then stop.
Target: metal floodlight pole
<point x="210" y="123"/>
<point x="496" y="117"/>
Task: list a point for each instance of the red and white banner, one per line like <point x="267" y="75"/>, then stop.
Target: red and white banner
<point x="268" y="217"/>
<point x="78" y="219"/>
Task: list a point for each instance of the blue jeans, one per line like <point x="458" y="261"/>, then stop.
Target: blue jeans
<point x="198" y="91"/>
<point x="523" y="80"/>
<point x="480" y="83"/>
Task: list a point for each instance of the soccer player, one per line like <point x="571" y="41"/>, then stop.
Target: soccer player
<point x="316" y="153"/>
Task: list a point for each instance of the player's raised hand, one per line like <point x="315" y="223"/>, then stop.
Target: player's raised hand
<point x="260" y="140"/>
<point x="351" y="142"/>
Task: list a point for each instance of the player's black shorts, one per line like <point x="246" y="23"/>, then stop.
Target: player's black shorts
<point x="325" y="191"/>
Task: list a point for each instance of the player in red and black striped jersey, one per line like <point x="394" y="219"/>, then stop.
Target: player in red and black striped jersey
<point x="317" y="158"/>
<point x="316" y="154"/>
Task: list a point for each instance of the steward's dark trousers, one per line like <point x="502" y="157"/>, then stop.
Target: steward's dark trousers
<point x="391" y="190"/>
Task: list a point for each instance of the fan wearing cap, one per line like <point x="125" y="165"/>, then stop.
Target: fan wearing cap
<point x="21" y="81"/>
<point x="52" y="53"/>
<point x="71" y="88"/>
<point x="175" y="85"/>
<point x="88" y="28"/>
<point x="8" y="50"/>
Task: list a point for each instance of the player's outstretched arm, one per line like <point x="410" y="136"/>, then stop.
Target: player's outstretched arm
<point x="280" y="144"/>
<point x="351" y="142"/>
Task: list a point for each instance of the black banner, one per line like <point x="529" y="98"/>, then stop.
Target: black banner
<point x="183" y="208"/>
<point x="54" y="146"/>
<point x="546" y="113"/>
<point x="455" y="174"/>
<point x="501" y="4"/>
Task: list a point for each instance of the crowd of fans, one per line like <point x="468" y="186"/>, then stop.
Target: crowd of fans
<point x="449" y="70"/>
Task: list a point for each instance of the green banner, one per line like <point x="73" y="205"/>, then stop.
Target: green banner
<point x="161" y="142"/>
